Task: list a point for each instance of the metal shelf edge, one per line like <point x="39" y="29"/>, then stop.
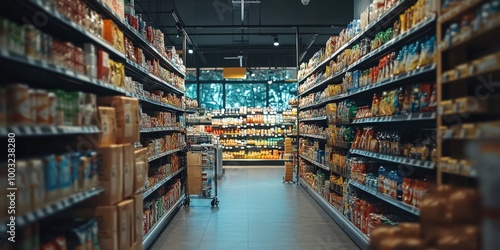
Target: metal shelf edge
<point x="386" y="198"/>
<point x="161" y="183"/>
<point x="157" y="228"/>
<point x="352" y="231"/>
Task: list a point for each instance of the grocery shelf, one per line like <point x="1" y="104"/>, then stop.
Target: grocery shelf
<point x="314" y="162"/>
<point x="458" y="169"/>
<point x="161" y="183"/>
<point x="199" y="123"/>
<point x="59" y="19"/>
<point x="320" y="118"/>
<point x="43" y="130"/>
<point x="391" y="45"/>
<point x="395" y="159"/>
<point x="145" y="77"/>
<point x="369" y="31"/>
<point x="341" y="144"/>
<point x="354" y="233"/>
<point x="253" y="125"/>
<point x="191" y="110"/>
<point x="458" y="10"/>
<point x="154" y="102"/>
<point x="255" y="160"/>
<point x="157" y="228"/>
<point x="160" y="129"/>
<point x="331" y="79"/>
<point x="245" y="136"/>
<point x="386" y="198"/>
<point x="483" y="132"/>
<point x="398" y="79"/>
<point x="313" y="136"/>
<point x="472" y="74"/>
<point x="71" y="75"/>
<point x="241" y="147"/>
<point x="53" y="207"/>
<point x="168" y="152"/>
<point x="130" y="32"/>
<point x="399" y="118"/>
<point x="485" y="33"/>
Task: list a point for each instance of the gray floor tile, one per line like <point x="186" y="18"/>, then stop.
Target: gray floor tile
<point x="257" y="211"/>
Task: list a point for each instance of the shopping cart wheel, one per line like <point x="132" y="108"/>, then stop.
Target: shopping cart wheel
<point x="187" y="201"/>
<point x="215" y="202"/>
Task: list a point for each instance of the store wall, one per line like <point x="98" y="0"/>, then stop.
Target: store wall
<point x="360" y="6"/>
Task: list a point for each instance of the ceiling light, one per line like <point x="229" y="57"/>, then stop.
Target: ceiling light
<point x="270" y="81"/>
<point x="276" y="42"/>
<point x="190" y="50"/>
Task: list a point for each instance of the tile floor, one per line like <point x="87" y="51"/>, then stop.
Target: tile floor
<point x="256" y="211"/>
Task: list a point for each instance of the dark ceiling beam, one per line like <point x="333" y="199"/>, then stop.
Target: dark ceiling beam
<point x="284" y="26"/>
<point x="259" y="34"/>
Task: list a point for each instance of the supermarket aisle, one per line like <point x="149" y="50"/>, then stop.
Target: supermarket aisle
<point x="257" y="211"/>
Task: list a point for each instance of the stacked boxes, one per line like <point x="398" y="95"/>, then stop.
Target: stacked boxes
<point x="122" y="171"/>
<point x="194" y="169"/>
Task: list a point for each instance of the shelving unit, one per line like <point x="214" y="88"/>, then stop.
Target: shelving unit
<point x="161" y="183"/>
<point x="354" y="233"/>
<point x="467" y="65"/>
<point x="42" y="72"/>
<point x="53" y="208"/>
<point x="157" y="229"/>
<point x="386" y="198"/>
<point x="359" y="96"/>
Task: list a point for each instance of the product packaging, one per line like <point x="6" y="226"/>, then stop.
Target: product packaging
<point x="51" y="175"/>
<point x="113" y="35"/>
<point x="23" y="197"/>
<point x="127" y="117"/>
<point x="138" y="217"/>
<point x="37" y="183"/>
<point x="102" y="66"/>
<point x="18" y="105"/>
<point x="128" y="169"/>
<point x="125" y="224"/>
<point x="141" y="168"/>
<point x="107" y="125"/>
<point x="110" y="175"/>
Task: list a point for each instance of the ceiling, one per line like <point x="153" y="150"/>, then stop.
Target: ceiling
<point x="216" y="29"/>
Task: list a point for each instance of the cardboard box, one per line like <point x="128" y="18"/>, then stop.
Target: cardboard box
<point x="128" y="170"/>
<point x="137" y="245"/>
<point x="110" y="172"/>
<point x="107" y="218"/>
<point x="141" y="168"/>
<point x="127" y="117"/>
<point x="194" y="173"/>
<point x="125" y="224"/>
<point x="138" y="218"/>
<point x="107" y="125"/>
<point x="193" y="158"/>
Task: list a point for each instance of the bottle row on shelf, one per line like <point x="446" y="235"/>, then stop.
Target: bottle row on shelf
<point x="273" y="131"/>
<point x="389" y="67"/>
<point x="419" y="145"/>
<point x="484" y="19"/>
<point x="264" y="154"/>
<point x="270" y="142"/>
